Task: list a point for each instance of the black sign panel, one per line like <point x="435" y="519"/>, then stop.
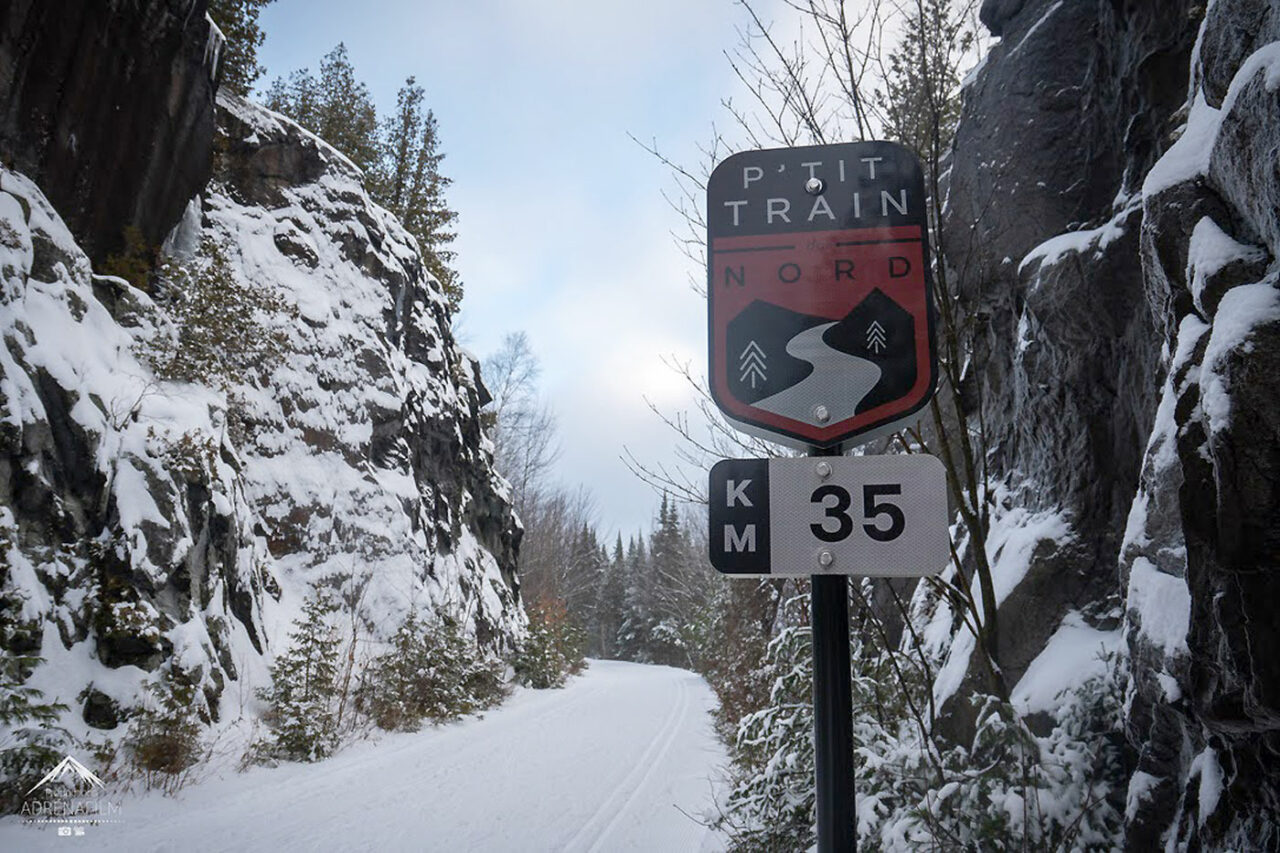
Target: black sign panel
<point x="821" y="317"/>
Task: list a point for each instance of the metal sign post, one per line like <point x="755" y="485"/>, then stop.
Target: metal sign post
<point x="820" y="328"/>
<point x="832" y="709"/>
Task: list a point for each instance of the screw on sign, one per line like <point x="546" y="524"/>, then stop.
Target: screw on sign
<point x="821" y="319"/>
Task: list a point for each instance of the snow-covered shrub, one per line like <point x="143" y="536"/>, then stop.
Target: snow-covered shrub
<point x="303" y="689"/>
<point x="218" y="336"/>
<point x="30" y="739"/>
<point x="771" y="806"/>
<point x="741" y="616"/>
<point x="553" y="649"/>
<point x="432" y="671"/>
<point x="1006" y="789"/>
<point x="164" y="737"/>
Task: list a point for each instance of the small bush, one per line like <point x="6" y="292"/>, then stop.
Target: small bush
<point x="31" y="742"/>
<point x="553" y="649"/>
<point x="303" y="689"/>
<point x="219" y="337"/>
<point x="134" y="261"/>
<point x="431" y="672"/>
<point x="163" y="741"/>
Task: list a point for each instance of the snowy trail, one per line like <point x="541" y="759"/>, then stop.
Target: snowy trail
<point x="609" y="763"/>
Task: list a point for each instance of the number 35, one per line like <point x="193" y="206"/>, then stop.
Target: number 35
<point x="872" y="509"/>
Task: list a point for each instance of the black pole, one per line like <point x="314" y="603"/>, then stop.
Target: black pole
<point x="832" y="710"/>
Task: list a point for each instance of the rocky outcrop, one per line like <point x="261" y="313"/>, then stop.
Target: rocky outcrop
<point x="159" y="524"/>
<point x="108" y="107"/>
<point x="1041" y="229"/>
<point x="1210" y="734"/>
<point x="365" y="452"/>
<point x="1115" y="241"/>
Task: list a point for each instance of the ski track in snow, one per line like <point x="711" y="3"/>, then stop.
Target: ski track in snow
<point x="618" y="760"/>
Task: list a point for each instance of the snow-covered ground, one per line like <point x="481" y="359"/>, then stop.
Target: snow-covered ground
<point x="623" y="758"/>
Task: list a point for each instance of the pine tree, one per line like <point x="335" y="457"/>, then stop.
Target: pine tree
<point x="31" y="741"/>
<point x="668" y="557"/>
<point x="238" y="21"/>
<point x="611" y="601"/>
<point x="583" y="577"/>
<point x="336" y="107"/>
<point x="552" y="650"/>
<point x="431" y="672"/>
<point x="304" y="687"/>
<point x="400" y="156"/>
<point x="637" y="622"/>
<point x="920" y="101"/>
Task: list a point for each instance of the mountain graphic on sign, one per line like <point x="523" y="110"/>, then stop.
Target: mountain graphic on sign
<point x="881" y="331"/>
<point x="756" y="359"/>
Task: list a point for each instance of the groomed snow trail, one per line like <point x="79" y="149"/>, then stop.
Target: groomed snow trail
<point x="607" y="764"/>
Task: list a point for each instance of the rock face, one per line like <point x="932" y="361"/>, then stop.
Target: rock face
<point x="1115" y="241"/>
<point x="108" y="107"/>
<point x="152" y="526"/>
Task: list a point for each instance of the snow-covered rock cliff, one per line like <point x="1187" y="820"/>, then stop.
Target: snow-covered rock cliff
<point x="150" y="525"/>
<point x="1112" y="220"/>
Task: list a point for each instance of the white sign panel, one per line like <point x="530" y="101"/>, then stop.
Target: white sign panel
<point x="879" y="516"/>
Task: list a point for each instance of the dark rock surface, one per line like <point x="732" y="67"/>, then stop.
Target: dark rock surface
<point x="108" y="107"/>
<point x="1042" y="231"/>
<point x="1129" y="347"/>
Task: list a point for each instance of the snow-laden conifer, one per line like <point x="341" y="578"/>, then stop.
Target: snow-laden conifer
<point x="303" y="689"/>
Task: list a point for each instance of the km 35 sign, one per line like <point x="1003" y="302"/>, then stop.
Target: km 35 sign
<point x="821" y="317"/>
<point x="882" y="516"/>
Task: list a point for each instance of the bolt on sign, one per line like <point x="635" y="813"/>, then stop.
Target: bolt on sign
<point x="880" y="516"/>
<point x="820" y="299"/>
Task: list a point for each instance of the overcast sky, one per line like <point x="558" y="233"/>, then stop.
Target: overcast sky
<point x="563" y="231"/>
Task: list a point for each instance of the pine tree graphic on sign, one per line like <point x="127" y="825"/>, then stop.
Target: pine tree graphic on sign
<point x="751" y="364"/>
<point x="875" y="337"/>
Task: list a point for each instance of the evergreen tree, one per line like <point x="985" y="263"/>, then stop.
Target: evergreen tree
<point x="238" y="21"/>
<point x="583" y="577"/>
<point x="336" y="107"/>
<point x="31" y="741"/>
<point x="413" y="186"/>
<point x="431" y="672"/>
<point x="400" y="156"/>
<point x="552" y="650"/>
<point x="304" y="687"/>
<point x="920" y="101"/>
<point x="637" y="622"/>
<point x="612" y="601"/>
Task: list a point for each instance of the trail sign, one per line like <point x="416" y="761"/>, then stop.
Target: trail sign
<point x="881" y="516"/>
<point x="820" y="300"/>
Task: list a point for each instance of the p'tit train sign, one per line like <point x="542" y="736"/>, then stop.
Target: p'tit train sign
<point x="821" y="315"/>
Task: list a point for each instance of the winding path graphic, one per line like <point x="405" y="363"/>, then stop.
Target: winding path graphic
<point x="839" y="381"/>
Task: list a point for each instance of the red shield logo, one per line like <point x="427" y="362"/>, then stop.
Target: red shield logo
<point x="821" y="320"/>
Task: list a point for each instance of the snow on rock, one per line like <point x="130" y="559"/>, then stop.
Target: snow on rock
<point x="1244" y="313"/>
<point x="1161" y="604"/>
<point x="1074" y="654"/>
<point x="150" y="525"/>
<point x="1024" y="549"/>
<point x="1210" y="253"/>
<point x="364" y="452"/>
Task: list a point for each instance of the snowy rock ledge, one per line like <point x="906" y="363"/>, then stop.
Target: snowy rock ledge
<point x="155" y="527"/>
